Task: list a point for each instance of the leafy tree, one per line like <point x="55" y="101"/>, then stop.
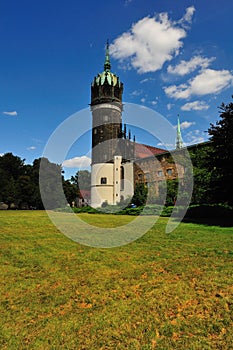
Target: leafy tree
<point x="11" y="168"/>
<point x="51" y="184"/>
<point x="140" y="195"/>
<point x="25" y="191"/>
<point x="222" y="156"/>
<point x="168" y="190"/>
<point x="82" y="180"/>
<point x="71" y="191"/>
<point x="200" y="156"/>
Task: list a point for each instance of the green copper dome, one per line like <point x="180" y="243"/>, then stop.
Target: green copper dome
<point x="106" y="87"/>
<point x="107" y="77"/>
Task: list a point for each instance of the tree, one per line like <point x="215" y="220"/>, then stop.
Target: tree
<point x="140" y="195"/>
<point x="71" y="191"/>
<point x="222" y="156"/>
<point x="167" y="193"/>
<point x="82" y="180"/>
<point x="200" y="156"/>
<point x="11" y="168"/>
<point x="51" y="189"/>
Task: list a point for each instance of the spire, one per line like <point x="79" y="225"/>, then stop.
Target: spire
<point x="179" y="141"/>
<point x="107" y="64"/>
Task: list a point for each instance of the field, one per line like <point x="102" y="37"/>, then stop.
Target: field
<point x="163" y="291"/>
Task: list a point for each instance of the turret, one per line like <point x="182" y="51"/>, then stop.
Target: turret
<point x="106" y="86"/>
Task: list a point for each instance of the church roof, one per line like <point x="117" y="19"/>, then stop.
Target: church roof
<point x="143" y="151"/>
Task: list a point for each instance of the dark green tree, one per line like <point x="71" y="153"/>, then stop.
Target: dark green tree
<point x="50" y="180"/>
<point x="222" y="156"/>
<point x="140" y="195"/>
<point x="71" y="191"/>
<point x="11" y="168"/>
<point x="168" y="190"/>
<point x="200" y="156"/>
<point x="82" y="180"/>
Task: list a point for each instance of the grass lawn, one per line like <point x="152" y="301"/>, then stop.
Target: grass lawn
<point x="163" y="291"/>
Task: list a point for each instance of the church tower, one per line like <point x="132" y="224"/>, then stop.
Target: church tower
<point x="111" y="152"/>
<point x="106" y="107"/>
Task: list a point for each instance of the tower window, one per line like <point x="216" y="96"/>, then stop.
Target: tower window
<point x="95" y="131"/>
<point x="103" y="180"/>
<point x="106" y="118"/>
<point x="169" y="171"/>
<point x="160" y="173"/>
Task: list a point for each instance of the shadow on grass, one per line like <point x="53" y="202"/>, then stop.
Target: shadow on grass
<point x="212" y="215"/>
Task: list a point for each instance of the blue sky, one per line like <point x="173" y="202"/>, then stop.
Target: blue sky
<point x="172" y="56"/>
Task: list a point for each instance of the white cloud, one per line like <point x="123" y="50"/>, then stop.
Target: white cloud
<point x="161" y="144"/>
<point x="127" y="2"/>
<point x="186" y="125"/>
<point x="136" y="93"/>
<point x="1" y="154"/>
<point x="151" y="42"/>
<point x="186" y="67"/>
<point x="31" y="148"/>
<point x="12" y="114"/>
<point x="169" y="106"/>
<point x="146" y="80"/>
<point x="187" y="18"/>
<point x="194" y="137"/>
<point x="195" y="106"/>
<point x="77" y="162"/>
<point x="154" y="103"/>
<point x="209" y="81"/>
<point x="143" y="100"/>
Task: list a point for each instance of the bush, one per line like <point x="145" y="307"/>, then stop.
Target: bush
<point x="209" y="211"/>
<point x="152" y="209"/>
<point x="86" y="209"/>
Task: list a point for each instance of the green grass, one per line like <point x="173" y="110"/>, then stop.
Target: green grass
<point x="163" y="291"/>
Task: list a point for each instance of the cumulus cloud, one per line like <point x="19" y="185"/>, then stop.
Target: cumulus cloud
<point x="186" y="67"/>
<point x="1" y="154"/>
<point x="195" y="106"/>
<point x="77" y="162"/>
<point x="208" y="81"/>
<point x="12" y="114"/>
<point x="151" y="41"/>
<point x="31" y="148"/>
<point x="186" y="125"/>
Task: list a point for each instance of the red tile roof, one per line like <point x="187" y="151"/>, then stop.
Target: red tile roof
<point x="143" y="151"/>
<point x="85" y="194"/>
